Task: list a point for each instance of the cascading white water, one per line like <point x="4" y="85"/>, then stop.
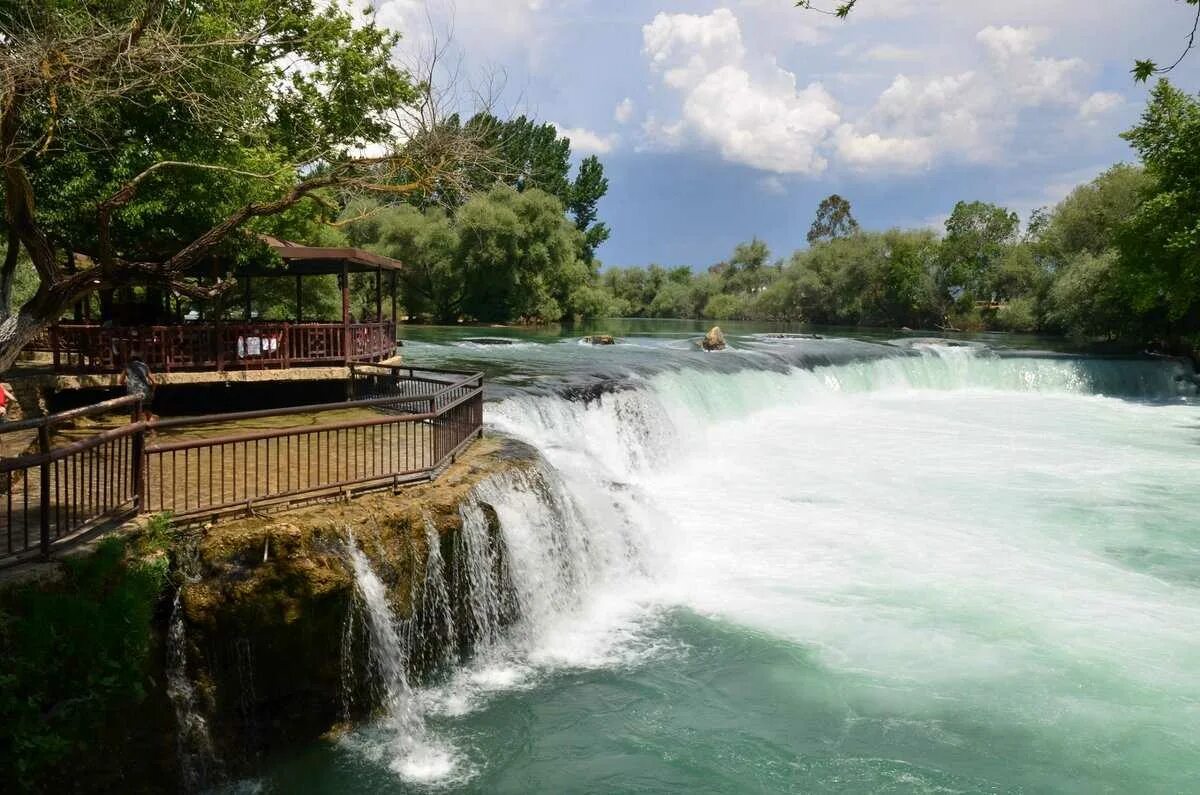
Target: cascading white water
<point x="401" y="739"/>
<point x="431" y="596"/>
<point x="532" y="597"/>
<point x="949" y="527"/>
<point x="198" y="762"/>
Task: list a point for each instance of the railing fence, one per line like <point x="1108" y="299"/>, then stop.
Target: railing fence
<point x="85" y="348"/>
<point x="423" y="419"/>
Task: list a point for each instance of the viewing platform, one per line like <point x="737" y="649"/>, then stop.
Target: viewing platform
<point x="208" y="340"/>
<point x="65" y="475"/>
<point x="83" y="348"/>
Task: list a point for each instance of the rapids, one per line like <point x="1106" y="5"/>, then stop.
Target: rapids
<point x="815" y="565"/>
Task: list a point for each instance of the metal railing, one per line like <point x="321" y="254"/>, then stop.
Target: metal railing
<point x="53" y="493"/>
<point x="190" y="469"/>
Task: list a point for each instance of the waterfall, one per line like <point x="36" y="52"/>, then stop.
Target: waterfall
<point x="199" y="766"/>
<point x="401" y="738"/>
<point x="505" y="601"/>
<point x="433" y="619"/>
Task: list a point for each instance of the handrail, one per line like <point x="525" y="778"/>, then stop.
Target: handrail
<point x="27" y="460"/>
<point x="274" y="433"/>
<point x="52" y="496"/>
<point x="209" y="419"/>
<point x="103" y="407"/>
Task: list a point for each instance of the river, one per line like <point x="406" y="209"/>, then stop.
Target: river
<point x="848" y="564"/>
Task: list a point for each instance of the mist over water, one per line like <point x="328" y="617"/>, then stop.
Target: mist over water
<point x="828" y="565"/>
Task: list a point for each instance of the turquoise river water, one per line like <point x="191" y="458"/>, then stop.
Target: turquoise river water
<point x="849" y="564"/>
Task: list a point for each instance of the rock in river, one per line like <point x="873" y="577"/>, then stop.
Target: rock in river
<point x="714" y="340"/>
<point x="600" y="339"/>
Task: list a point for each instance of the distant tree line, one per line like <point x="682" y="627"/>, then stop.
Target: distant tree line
<point x="1118" y="259"/>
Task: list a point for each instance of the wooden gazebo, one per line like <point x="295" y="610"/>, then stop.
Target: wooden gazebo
<point x="221" y="345"/>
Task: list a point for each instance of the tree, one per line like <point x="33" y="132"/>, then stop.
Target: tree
<point x="146" y="133"/>
<point x="1091" y="216"/>
<point x="504" y="255"/>
<point x="976" y="236"/>
<point x="1143" y="69"/>
<point x="589" y="187"/>
<point x="1085" y="300"/>
<point x="833" y="220"/>
<point x="1159" y="263"/>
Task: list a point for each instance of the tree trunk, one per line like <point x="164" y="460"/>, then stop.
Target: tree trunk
<point x="16" y="331"/>
<point x="8" y="273"/>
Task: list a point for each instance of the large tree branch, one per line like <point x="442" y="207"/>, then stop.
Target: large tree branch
<point x="8" y="273"/>
<point x="18" y="195"/>
<point x="127" y="192"/>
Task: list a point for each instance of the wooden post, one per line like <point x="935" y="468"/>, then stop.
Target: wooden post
<point x="44" y="491"/>
<point x="217" y="334"/>
<point x="138" y="454"/>
<point x="299" y="301"/>
<point x="393" y="303"/>
<point x="54" y="345"/>
<point x="378" y="295"/>
<point x="248" y="296"/>
<point x="345" y="312"/>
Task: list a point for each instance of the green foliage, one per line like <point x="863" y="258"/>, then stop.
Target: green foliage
<point x="1089" y="218"/>
<point x="833" y="220"/>
<point x="260" y="114"/>
<point x="504" y="255"/>
<point x="75" y="651"/>
<point x="531" y="155"/>
<point x="727" y="307"/>
<point x="977" y="234"/>
<point x="1160" y="246"/>
<point x="589" y="187"/>
<point x="1086" y="300"/>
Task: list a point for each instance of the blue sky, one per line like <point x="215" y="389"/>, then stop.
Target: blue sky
<point x="720" y="121"/>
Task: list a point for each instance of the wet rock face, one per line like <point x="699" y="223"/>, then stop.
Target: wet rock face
<point x="275" y="645"/>
<point x="600" y="339"/>
<point x="714" y="340"/>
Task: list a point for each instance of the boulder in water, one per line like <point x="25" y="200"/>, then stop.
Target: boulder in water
<point x="600" y="339"/>
<point x="714" y="340"/>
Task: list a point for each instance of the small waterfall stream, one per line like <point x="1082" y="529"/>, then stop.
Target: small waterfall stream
<point x="199" y="765"/>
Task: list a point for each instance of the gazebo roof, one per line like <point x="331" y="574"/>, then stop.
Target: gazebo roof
<point x="316" y="260"/>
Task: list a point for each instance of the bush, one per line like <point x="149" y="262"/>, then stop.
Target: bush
<point x="76" y="651"/>
<point x="1020" y="314"/>
<point x="726" y="307"/>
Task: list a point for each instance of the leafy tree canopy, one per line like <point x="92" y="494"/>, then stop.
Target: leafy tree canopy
<point x="833" y="220"/>
<point x="1160" y="245"/>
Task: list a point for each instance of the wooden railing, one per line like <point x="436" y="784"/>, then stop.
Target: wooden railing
<point x="54" y="495"/>
<point x="79" y="348"/>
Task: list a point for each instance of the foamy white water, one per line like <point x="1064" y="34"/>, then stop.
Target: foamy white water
<point x="965" y="546"/>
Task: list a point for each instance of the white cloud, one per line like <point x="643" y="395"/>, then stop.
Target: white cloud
<point x="760" y="119"/>
<point x="772" y="186"/>
<point x="890" y="52"/>
<point x="587" y="142"/>
<point x="623" y="113"/>
<point x="1098" y="104"/>
<point x="1007" y="42"/>
<point x="491" y="31"/>
<point x="873" y="151"/>
<point x="971" y="114"/>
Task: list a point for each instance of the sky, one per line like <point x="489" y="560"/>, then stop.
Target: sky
<point x="722" y="121"/>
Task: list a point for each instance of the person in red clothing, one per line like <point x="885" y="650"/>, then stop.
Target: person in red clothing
<point x="6" y="395"/>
